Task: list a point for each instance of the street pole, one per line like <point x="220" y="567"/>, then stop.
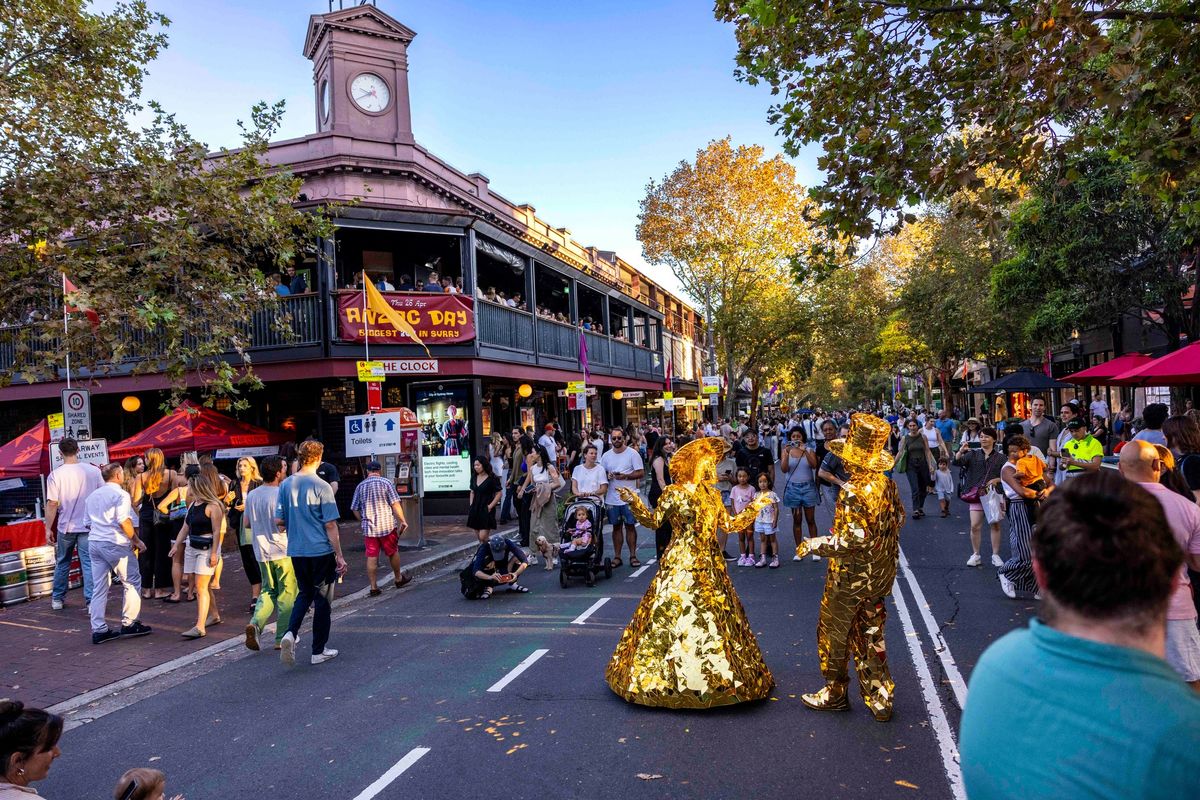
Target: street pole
<point x="710" y="344"/>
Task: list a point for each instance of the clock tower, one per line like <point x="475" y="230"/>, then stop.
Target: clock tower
<point x="360" y="74"/>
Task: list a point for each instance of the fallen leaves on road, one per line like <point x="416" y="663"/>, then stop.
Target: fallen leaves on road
<point x="907" y="785"/>
<point x="646" y="776"/>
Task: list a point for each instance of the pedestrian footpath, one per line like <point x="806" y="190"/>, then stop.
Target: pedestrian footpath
<point x="48" y="656"/>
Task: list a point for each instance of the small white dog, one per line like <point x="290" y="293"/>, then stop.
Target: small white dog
<point x="549" y="552"/>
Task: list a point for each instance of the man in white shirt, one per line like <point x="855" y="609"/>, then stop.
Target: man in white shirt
<point x="598" y="441"/>
<point x="546" y="440"/>
<point x="66" y="519"/>
<point x="625" y="470"/>
<point x="112" y="545"/>
<point x="1099" y="408"/>
<point x="270" y="542"/>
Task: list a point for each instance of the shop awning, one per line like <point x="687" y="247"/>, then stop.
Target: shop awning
<point x="1181" y="368"/>
<point x="1023" y="380"/>
<point x="28" y="455"/>
<point x="190" y="427"/>
<point x="1102" y="374"/>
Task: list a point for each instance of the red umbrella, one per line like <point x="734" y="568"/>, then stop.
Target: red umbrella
<point x="28" y="455"/>
<point x="1102" y="374"/>
<point x="190" y="427"/>
<point x="1181" y="368"/>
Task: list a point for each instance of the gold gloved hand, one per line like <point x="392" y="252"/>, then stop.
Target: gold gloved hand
<point x="802" y="548"/>
<point x="627" y="494"/>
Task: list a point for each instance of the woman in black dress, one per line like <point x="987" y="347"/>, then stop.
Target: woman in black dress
<point x="486" y="494"/>
<point x="660" y="478"/>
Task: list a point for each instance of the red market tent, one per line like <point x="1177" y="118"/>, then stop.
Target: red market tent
<point x="1181" y="368"/>
<point x="28" y="455"/>
<point x="190" y="427"/>
<point x="1102" y="374"/>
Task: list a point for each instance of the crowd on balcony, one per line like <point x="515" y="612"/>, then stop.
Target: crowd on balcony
<point x="493" y="296"/>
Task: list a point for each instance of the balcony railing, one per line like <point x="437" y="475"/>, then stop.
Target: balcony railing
<point x="504" y="327"/>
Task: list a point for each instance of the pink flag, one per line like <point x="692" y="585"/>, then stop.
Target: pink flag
<point x="583" y="361"/>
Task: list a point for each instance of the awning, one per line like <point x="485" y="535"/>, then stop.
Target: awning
<point x="1181" y="368"/>
<point x="1023" y="380"/>
<point x="190" y="427"/>
<point x="28" y="455"/>
<point x="1102" y="374"/>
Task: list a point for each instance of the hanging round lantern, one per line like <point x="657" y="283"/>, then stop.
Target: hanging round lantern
<point x="618" y="394"/>
<point x="131" y="403"/>
<point x="524" y="390"/>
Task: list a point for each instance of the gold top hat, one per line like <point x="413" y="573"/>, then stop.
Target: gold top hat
<point x="694" y="462"/>
<point x="863" y="448"/>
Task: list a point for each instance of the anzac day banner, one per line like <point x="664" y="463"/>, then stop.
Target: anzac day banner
<point x="436" y="318"/>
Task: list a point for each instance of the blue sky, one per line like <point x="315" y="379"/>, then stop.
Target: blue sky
<point x="571" y="106"/>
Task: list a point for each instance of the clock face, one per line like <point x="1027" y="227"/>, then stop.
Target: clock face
<point x="370" y="93"/>
<point x="324" y="109"/>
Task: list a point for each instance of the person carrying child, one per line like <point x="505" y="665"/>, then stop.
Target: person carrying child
<point x="142" y="783"/>
<point x="943" y="483"/>
<point x="581" y="539"/>
<point x="740" y="496"/>
<point x="766" y="524"/>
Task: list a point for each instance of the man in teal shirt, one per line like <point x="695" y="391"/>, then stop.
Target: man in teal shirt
<point x="1082" y="704"/>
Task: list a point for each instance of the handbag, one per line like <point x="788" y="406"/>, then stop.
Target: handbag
<point x="993" y="505"/>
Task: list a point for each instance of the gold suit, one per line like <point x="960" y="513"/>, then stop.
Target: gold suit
<point x="689" y="644"/>
<point x="863" y="549"/>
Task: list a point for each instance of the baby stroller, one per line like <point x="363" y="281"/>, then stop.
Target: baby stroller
<point x="589" y="562"/>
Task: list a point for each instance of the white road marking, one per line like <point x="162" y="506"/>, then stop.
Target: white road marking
<point x="639" y="570"/>
<point x="396" y="771"/>
<point x="517" y="670"/>
<point x="939" y="642"/>
<point x="933" y="700"/>
<point x="582" y="618"/>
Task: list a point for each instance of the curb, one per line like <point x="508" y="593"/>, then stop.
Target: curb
<point x="66" y="707"/>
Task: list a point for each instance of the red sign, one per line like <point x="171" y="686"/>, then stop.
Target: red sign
<point x="374" y="396"/>
<point x="437" y="318"/>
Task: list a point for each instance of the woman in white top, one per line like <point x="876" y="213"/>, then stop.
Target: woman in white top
<point x="498" y="454"/>
<point x="589" y="479"/>
<point x="932" y="435"/>
<point x="970" y="433"/>
<point x="542" y="480"/>
<point x="1017" y="573"/>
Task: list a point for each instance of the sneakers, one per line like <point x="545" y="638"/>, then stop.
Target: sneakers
<point x="774" y="563"/>
<point x="997" y="561"/>
<point x="327" y="655"/>
<point x="252" y="637"/>
<point x="56" y="604"/>
<point x="742" y="560"/>
<point x="1007" y="586"/>
<point x="105" y="636"/>
<point x="135" y="628"/>
<point x="533" y="560"/>
<point x="1037" y="595"/>
<point x="287" y="649"/>
<point x="797" y="558"/>
<point x="729" y="557"/>
<point x="762" y="562"/>
<point x="974" y="560"/>
<point x="816" y="557"/>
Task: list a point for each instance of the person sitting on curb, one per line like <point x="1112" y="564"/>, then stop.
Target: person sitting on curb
<point x="498" y="562"/>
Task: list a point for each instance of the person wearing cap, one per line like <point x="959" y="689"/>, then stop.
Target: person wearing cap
<point x="547" y="441"/>
<point x="377" y="506"/>
<point x="1082" y="452"/>
<point x="499" y="562"/>
<point x="863" y="549"/>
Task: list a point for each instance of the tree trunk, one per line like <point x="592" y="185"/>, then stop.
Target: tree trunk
<point x="730" y="384"/>
<point x="753" y="402"/>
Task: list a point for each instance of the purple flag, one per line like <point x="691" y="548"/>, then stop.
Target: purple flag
<point x="583" y="362"/>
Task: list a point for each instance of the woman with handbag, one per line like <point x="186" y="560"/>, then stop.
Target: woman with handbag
<point x="149" y="489"/>
<point x="173" y="508"/>
<point x="200" y="540"/>
<point x="918" y="463"/>
<point x="799" y="465"/>
<point x="982" y="470"/>
<point x="541" y="482"/>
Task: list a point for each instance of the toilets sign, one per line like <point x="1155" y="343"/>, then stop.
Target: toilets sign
<point x="372" y="434"/>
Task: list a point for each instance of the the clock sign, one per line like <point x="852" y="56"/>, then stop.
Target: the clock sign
<point x="370" y="92"/>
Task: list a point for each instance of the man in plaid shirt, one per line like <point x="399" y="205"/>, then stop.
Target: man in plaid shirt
<point x="377" y="505"/>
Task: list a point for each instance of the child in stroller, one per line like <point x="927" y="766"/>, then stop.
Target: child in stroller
<point x="581" y="548"/>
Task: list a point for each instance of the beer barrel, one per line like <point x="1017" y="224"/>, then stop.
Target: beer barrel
<point x="39" y="568"/>
<point x="14" y="587"/>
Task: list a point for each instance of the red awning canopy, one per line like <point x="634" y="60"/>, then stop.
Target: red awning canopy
<point x="1102" y="374"/>
<point x="28" y="455"/>
<point x="191" y="427"/>
<point x="1181" y="368"/>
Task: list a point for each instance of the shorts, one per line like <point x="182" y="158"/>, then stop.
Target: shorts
<point x="389" y="543"/>
<point x="801" y="495"/>
<point x="975" y="507"/>
<point x="1183" y="648"/>
<point x="764" y="529"/>
<point x="621" y="514"/>
<point x="943" y="495"/>
<point x="195" y="562"/>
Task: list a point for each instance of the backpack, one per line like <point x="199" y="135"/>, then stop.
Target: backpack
<point x="470" y="586"/>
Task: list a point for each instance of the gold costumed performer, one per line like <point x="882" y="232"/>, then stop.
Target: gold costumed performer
<point x="862" y="550"/>
<point x="689" y="644"/>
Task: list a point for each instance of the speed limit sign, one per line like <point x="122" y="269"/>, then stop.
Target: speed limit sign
<point x="77" y="413"/>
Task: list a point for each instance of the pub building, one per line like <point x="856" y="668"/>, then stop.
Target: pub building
<point x="501" y="350"/>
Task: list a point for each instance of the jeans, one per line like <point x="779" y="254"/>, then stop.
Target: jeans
<point x="506" y="507"/>
<point x="315" y="578"/>
<point x="278" y="592"/>
<point x="68" y="544"/>
<point x="107" y="558"/>
<point x="919" y="482"/>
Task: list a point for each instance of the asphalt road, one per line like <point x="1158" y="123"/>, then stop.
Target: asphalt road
<point x="423" y="700"/>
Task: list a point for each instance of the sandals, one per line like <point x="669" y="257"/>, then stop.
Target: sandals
<point x="168" y="599"/>
<point x="375" y="592"/>
<point x="516" y="587"/>
<point x="486" y="594"/>
<point x="617" y="562"/>
<point x="405" y="578"/>
<point x="633" y="562"/>
<point x="194" y="633"/>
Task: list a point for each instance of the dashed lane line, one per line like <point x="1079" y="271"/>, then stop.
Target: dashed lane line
<point x="396" y="771"/>
<point x="640" y="569"/>
<point x="517" y="670"/>
<point x="582" y="618"/>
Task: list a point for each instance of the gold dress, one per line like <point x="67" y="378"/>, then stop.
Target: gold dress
<point x="689" y="644"/>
